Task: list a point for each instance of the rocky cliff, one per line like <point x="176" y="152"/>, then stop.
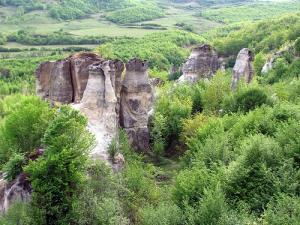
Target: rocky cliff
<point x="202" y="63"/>
<point x="95" y="87"/>
<point x="243" y="68"/>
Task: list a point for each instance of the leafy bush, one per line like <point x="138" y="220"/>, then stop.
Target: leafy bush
<point x="18" y="213"/>
<point x="134" y="14"/>
<point x="252" y="178"/>
<point x="13" y="167"/>
<point x="161" y="49"/>
<point x="98" y="202"/>
<point x="25" y="126"/>
<point x="245" y="100"/>
<point x="284" y="210"/>
<point x="163" y="214"/>
<point x="214" y="93"/>
<point x="57" y="176"/>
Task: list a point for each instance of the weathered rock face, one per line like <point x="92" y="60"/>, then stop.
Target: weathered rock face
<point x="100" y="104"/>
<point x="96" y="88"/>
<point x="18" y="190"/>
<point x="243" y="68"/>
<point x="64" y="80"/>
<point x="54" y="81"/>
<point x="80" y="72"/>
<point x="136" y="102"/>
<point x="202" y="63"/>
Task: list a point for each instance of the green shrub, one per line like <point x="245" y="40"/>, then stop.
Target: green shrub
<point x="245" y="100"/>
<point x="214" y="93"/>
<point x="165" y="213"/>
<point x="18" y="214"/>
<point x="158" y="134"/>
<point x="190" y="185"/>
<point x="134" y="14"/>
<point x="252" y="178"/>
<point x="113" y="148"/>
<point x="26" y="119"/>
<point x="284" y="210"/>
<point x="297" y="45"/>
<point x="211" y="208"/>
<point x="288" y="135"/>
<point x="98" y="202"/>
<point x="57" y="176"/>
<point x="13" y="167"/>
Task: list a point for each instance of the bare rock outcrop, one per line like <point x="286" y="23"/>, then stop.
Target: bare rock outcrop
<point x="202" y="63"/>
<point x="243" y="68"/>
<point x="100" y="104"/>
<point x="80" y="72"/>
<point x="136" y="102"/>
<point x="95" y="87"/>
<point x="54" y="81"/>
<point x="64" y="80"/>
<point x="17" y="190"/>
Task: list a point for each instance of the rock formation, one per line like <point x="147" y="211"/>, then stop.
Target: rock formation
<point x="270" y="61"/>
<point x="17" y="190"/>
<point x="95" y="87"/>
<point x="202" y="63"/>
<point x="64" y="80"/>
<point x="100" y="104"/>
<point x="136" y="102"/>
<point x="243" y="68"/>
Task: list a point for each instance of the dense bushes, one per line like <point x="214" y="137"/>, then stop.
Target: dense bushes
<point x="135" y="14"/>
<point x="57" y="176"/>
<point x="161" y="49"/>
<point x="56" y="38"/>
<point x="22" y="129"/>
<point x="282" y="30"/>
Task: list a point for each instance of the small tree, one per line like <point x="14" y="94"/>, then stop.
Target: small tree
<point x="57" y="176"/>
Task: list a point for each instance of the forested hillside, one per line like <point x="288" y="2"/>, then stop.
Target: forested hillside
<point x="218" y="155"/>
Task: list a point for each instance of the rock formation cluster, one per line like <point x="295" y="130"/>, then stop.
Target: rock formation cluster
<point x="243" y="68"/>
<point x="202" y="63"/>
<point x="96" y="88"/>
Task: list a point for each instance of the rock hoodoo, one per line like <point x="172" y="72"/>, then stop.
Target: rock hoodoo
<point x="243" y="68"/>
<point x="202" y="63"/>
<point x="95" y="87"/>
<point x="136" y="101"/>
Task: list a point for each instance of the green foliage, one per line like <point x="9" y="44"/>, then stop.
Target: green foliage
<point x="113" y="148"/>
<point x="158" y="132"/>
<point x="254" y="36"/>
<point x="24" y="127"/>
<point x="134" y="14"/>
<point x="252" y="178"/>
<point x="297" y="46"/>
<point x="161" y="49"/>
<point x="215" y="92"/>
<point x="70" y="9"/>
<point x="245" y="100"/>
<point x="56" y="38"/>
<point x="18" y="213"/>
<point x="284" y="210"/>
<point x="13" y="167"/>
<point x="162" y="214"/>
<point x="98" y="202"/>
<point x="259" y="62"/>
<point x="57" y="176"/>
<point x="249" y="12"/>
